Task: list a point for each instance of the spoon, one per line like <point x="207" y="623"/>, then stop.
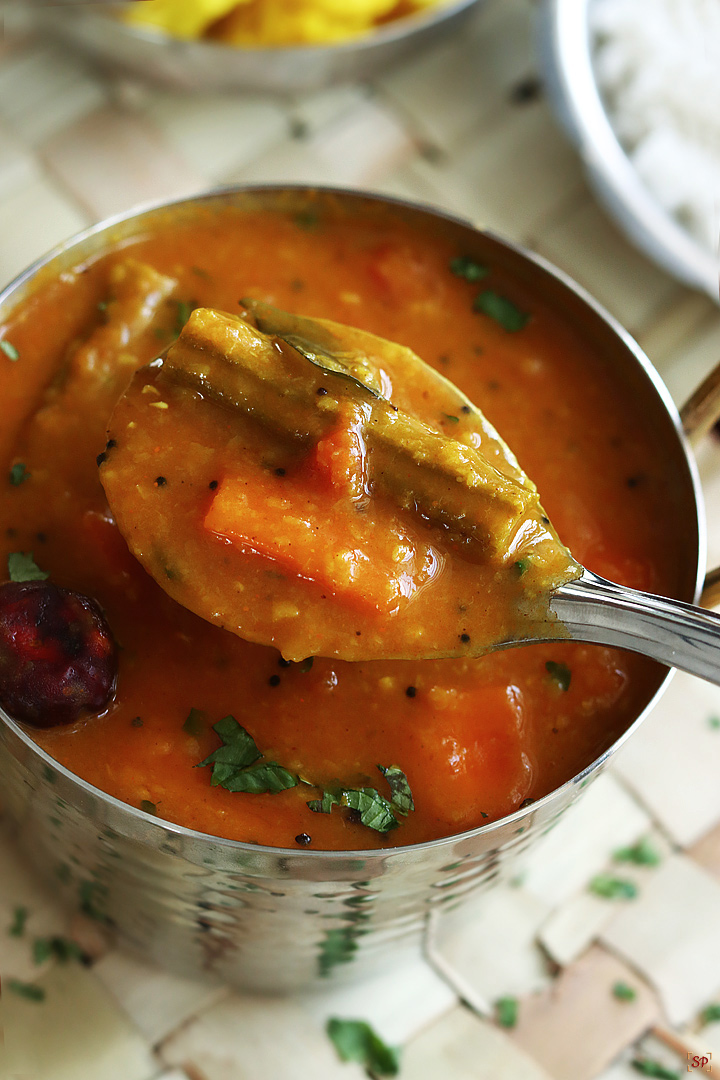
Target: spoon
<point x="270" y="472"/>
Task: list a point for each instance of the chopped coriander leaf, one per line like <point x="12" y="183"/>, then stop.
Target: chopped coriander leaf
<point x="306" y="219"/>
<point x="646" y="1067"/>
<point x="18" y="473"/>
<point x="623" y="992"/>
<point x="521" y="567"/>
<point x="184" y="311"/>
<point x="613" y="888"/>
<point x="642" y="854"/>
<point x="559" y="673"/>
<point x="17" y="926"/>
<point x="376" y="812"/>
<point x="506" y="1011"/>
<point x="401" y="797"/>
<point x="710" y="1014"/>
<point x="374" y="809"/>
<point x="195" y="723"/>
<point x="502" y="310"/>
<point x="57" y="948"/>
<point x="324" y="805"/>
<point x="236" y="764"/>
<point x="355" y="1040"/>
<point x="452" y="419"/>
<point x="26" y="990"/>
<point x="22" y="567"/>
<point x="465" y="267"/>
<point x="9" y="349"/>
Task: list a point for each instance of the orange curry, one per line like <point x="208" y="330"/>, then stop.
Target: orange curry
<point x="322" y="749"/>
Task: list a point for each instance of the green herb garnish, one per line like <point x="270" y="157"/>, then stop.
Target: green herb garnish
<point x="376" y="812"/>
<point x="195" y="723"/>
<point x="102" y="305"/>
<point x="452" y="419"/>
<point x="502" y="310"/>
<point x="338" y="947"/>
<point x="506" y="1011"/>
<point x="401" y="797"/>
<point x="306" y="219"/>
<point x="714" y="722"/>
<point x="237" y="765"/>
<point x="613" y="888"/>
<point x="521" y="567"/>
<point x="18" y="473"/>
<point x="710" y="1013"/>
<point x="61" y="949"/>
<point x="642" y="854"/>
<point x="9" y="349"/>
<point x="148" y="807"/>
<point x="465" y="267"/>
<point x="355" y="1040"/>
<point x="560" y="673"/>
<point x="17" y="926"/>
<point x="623" y="992"/>
<point x="184" y="311"/>
<point x="22" y="567"/>
<point x="646" y="1067"/>
<point x="30" y="991"/>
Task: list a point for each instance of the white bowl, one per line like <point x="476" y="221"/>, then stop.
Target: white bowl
<point x="565" y="41"/>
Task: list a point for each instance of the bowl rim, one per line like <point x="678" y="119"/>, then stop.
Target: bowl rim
<point x="565" y="44"/>
<point x="227" y="194"/>
<point x="395" y="30"/>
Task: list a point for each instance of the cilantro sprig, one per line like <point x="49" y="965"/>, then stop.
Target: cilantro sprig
<point x="238" y="765"/>
<point x="22" y="567"/>
<point x="374" y="810"/>
<point x="355" y="1040"/>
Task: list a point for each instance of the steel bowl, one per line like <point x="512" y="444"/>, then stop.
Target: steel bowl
<point x="273" y="919"/>
<point x="566" y="52"/>
<point x="210" y="65"/>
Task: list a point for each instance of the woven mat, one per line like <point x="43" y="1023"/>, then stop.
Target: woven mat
<point x="464" y="127"/>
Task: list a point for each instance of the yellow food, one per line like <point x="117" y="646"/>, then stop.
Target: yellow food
<point x="271" y="22"/>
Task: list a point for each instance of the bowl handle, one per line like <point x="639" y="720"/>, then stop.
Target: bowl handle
<point x="699" y="413"/>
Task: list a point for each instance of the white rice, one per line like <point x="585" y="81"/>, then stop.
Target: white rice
<point x="658" y="65"/>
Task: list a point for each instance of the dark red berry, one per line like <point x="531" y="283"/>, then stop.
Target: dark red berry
<point x="58" y="659"/>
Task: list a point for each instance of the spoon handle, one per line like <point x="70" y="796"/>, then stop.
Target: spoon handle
<point x="677" y="634"/>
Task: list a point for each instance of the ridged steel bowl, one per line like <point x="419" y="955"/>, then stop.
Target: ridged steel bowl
<point x="566" y="48"/>
<point x="210" y="65"/>
<point x="268" y="918"/>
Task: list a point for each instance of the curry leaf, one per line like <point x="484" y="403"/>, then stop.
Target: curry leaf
<point x="355" y="1040"/>
<point x="646" y="1067"/>
<point x="502" y="310"/>
<point x="324" y="805"/>
<point x="265" y="778"/>
<point x="22" y="567"/>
